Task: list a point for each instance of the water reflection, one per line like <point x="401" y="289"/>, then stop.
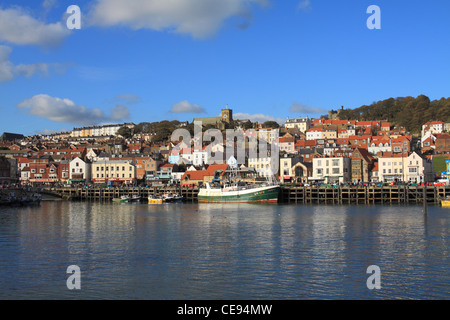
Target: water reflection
<point x="236" y="251"/>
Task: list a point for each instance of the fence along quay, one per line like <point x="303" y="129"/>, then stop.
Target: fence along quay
<point x="288" y="194"/>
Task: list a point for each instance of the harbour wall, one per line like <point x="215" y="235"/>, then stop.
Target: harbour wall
<point x="288" y="194"/>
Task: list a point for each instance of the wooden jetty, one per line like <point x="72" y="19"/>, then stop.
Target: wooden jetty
<point x="364" y="195"/>
<point x="107" y="194"/>
<point x="288" y="194"/>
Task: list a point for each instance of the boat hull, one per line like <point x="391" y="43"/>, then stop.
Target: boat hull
<point x="445" y="203"/>
<point x="155" y="201"/>
<point x="257" y="195"/>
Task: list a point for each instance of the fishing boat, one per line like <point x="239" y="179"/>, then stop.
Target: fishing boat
<point x="135" y="198"/>
<point x="172" y="197"/>
<point x="445" y="202"/>
<point x="122" y="199"/>
<point x="236" y="191"/>
<point x="240" y="194"/>
<point x="154" y="200"/>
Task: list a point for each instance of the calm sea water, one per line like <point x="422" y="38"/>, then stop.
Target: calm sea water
<point x="213" y="251"/>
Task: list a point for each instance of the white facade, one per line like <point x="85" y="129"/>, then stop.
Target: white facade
<point x="433" y="127"/>
<point x="302" y="124"/>
<point x="79" y="170"/>
<point x="265" y="166"/>
<point x="332" y="170"/>
<point x="413" y="169"/>
<point x="391" y="169"/>
<point x="417" y="169"/>
<point x="269" y="135"/>
<point x="375" y="146"/>
<point x="314" y="134"/>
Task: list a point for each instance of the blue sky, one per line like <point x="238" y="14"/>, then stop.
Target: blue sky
<point x="135" y="61"/>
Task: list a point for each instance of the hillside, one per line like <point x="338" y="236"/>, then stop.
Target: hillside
<point x="408" y="112"/>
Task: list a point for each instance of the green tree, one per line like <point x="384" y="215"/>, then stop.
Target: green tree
<point x="125" y="132"/>
<point x="271" y="124"/>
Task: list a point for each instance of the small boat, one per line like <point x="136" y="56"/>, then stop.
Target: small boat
<point x="445" y="203"/>
<point x="154" y="200"/>
<point x="122" y="199"/>
<point x="172" y="197"/>
<point x="135" y="198"/>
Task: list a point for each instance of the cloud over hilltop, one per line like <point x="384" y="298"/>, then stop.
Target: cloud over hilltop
<point x="186" y="107"/>
<point x="65" y="110"/>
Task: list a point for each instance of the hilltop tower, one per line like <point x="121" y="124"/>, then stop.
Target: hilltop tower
<point x="227" y="115"/>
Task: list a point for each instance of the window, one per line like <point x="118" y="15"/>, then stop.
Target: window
<point x="335" y="163"/>
<point x="335" y="170"/>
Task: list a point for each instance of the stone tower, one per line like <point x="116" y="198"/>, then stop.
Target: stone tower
<point x="227" y="115"/>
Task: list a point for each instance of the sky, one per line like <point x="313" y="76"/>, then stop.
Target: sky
<point x="153" y="60"/>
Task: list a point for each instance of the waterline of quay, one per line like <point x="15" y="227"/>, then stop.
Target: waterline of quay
<point x="288" y="194"/>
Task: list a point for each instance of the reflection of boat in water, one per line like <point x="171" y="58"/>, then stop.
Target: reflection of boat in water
<point x="154" y="200"/>
<point x="122" y="199"/>
<point x="172" y="197"/>
<point x="135" y="198"/>
<point x="21" y="200"/>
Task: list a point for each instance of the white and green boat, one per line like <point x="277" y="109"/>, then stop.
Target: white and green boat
<point x="239" y="194"/>
<point x="122" y="199"/>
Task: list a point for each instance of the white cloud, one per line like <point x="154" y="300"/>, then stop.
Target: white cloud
<point x="301" y="108"/>
<point x="127" y="98"/>
<point x="119" y="113"/>
<point x="200" y="18"/>
<point x="304" y="5"/>
<point x="48" y="4"/>
<point x="18" y="27"/>
<point x="65" y="110"/>
<point x="259" y="117"/>
<point x="8" y="71"/>
<point x="186" y="107"/>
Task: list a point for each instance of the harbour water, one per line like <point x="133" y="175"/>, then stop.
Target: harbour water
<point x="224" y="251"/>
